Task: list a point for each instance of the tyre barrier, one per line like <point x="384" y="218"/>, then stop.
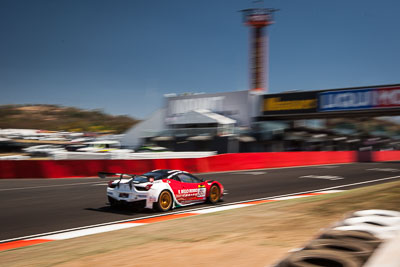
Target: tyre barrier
<point x="351" y="236"/>
<point x="383" y="233"/>
<point x="384" y="213"/>
<point x="357" y="249"/>
<point x="348" y="243"/>
<point x="383" y="227"/>
<point x="374" y="220"/>
<point x="320" y="257"/>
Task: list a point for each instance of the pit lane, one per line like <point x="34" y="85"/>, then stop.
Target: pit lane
<point x="35" y="206"/>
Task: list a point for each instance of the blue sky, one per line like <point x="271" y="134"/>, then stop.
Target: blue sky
<point x="123" y="55"/>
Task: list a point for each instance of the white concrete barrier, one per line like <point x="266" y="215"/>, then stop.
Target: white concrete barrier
<point x="127" y="155"/>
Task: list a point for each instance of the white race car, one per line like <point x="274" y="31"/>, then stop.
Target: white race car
<point x="162" y="189"/>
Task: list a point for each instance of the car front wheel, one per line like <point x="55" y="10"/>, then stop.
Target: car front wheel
<point x="215" y="194"/>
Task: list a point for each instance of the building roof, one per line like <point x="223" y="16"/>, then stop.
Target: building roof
<point x="203" y="116"/>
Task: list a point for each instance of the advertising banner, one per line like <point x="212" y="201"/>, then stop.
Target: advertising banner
<point x="359" y="99"/>
<point x="346" y="100"/>
<point x="377" y="98"/>
<point x="387" y="97"/>
<point x="290" y="103"/>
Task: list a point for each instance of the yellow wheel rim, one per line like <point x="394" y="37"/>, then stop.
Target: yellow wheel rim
<point x="165" y="200"/>
<point x="214" y="194"/>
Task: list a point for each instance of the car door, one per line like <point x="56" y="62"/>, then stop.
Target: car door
<point x="192" y="190"/>
<point x="176" y="186"/>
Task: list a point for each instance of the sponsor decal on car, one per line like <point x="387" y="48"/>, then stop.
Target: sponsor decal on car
<point x="187" y="193"/>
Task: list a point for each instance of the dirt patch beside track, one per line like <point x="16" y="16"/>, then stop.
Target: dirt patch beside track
<point x="254" y="236"/>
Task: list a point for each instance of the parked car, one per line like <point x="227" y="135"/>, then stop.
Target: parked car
<point x="100" y="146"/>
<point x="143" y="149"/>
<point x="43" y="150"/>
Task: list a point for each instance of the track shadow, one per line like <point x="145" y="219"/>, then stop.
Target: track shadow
<point x="121" y="210"/>
<point x="140" y="210"/>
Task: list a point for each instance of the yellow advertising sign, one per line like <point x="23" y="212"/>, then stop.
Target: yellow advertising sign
<point x="275" y="104"/>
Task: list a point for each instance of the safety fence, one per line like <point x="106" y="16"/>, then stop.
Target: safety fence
<point x="392" y="155"/>
<point x="216" y="163"/>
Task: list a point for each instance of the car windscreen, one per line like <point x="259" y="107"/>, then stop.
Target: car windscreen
<point x="156" y="175"/>
<point x="140" y="179"/>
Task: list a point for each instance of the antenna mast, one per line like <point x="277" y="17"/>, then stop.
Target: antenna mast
<point x="258" y="19"/>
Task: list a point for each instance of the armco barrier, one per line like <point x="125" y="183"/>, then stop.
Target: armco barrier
<point x="217" y="163"/>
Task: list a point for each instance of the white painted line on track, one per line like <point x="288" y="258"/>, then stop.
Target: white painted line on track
<point x="132" y="220"/>
<point x="276" y="168"/>
<point x="107" y="228"/>
<point x="384" y="169"/>
<point x="365" y="182"/>
<point x="321" y="190"/>
<point x="331" y="191"/>
<point x="90" y="231"/>
<point x="325" y="177"/>
<point x="289" y="197"/>
<point x="204" y="210"/>
<point x="216" y="209"/>
<point x="251" y="173"/>
<point x="46" y="186"/>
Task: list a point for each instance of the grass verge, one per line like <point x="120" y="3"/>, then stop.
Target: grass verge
<point x="253" y="236"/>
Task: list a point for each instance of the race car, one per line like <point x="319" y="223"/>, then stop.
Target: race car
<point x="161" y="190"/>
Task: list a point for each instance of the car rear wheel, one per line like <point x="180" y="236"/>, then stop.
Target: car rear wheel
<point x="113" y="203"/>
<point x="164" y="201"/>
<point x="215" y="194"/>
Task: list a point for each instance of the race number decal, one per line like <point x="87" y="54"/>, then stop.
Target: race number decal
<point x="201" y="193"/>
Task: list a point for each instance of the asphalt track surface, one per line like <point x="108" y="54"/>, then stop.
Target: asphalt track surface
<point x="36" y="206"/>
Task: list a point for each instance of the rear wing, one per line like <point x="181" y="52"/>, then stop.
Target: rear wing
<point x="103" y="175"/>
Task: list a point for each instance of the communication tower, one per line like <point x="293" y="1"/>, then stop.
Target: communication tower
<point x="258" y="19"/>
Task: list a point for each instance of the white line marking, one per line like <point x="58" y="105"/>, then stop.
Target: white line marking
<point x="289" y="197"/>
<point x="197" y="210"/>
<point x="216" y="209"/>
<point x="277" y="168"/>
<point x="330" y="191"/>
<point x="327" y="189"/>
<point x="326" y="177"/>
<point x="251" y="173"/>
<point x="90" y="231"/>
<point x="384" y="169"/>
<point x="45" y="186"/>
<point x="98" y="184"/>
<point x="365" y="182"/>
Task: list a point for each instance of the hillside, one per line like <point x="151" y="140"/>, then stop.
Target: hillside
<point x="60" y="118"/>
